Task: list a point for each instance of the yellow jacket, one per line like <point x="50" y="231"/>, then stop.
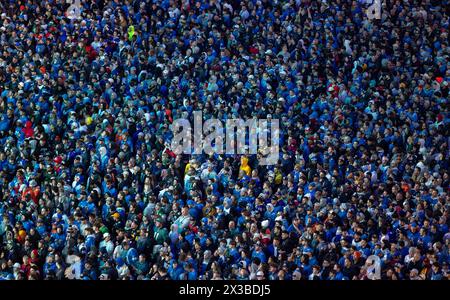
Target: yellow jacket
<point x="244" y="166"/>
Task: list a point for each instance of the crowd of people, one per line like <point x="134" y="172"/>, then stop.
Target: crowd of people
<point x="91" y="189"/>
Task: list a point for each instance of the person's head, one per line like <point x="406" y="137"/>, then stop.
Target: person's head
<point x="347" y="263"/>
<point x="260" y="275"/>
<point x="316" y="269"/>
<point x="185" y="211"/>
<point x="337" y="268"/>
<point x="413" y="274"/>
<point x="126" y="245"/>
<point x="435" y="267"/>
<point x="16" y="267"/>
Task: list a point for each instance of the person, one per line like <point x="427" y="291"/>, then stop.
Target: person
<point x="183" y="220"/>
<point x="107" y="244"/>
<point x="315" y="275"/>
<point x="435" y="273"/>
<point x="260" y="275"/>
<point x="160" y="235"/>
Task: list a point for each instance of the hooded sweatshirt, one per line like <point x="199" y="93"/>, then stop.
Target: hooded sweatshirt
<point x="244" y="166"/>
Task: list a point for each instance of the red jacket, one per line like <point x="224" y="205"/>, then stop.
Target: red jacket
<point x="28" y="130"/>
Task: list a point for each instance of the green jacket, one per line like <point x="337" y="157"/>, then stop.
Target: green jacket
<point x="160" y="235"/>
